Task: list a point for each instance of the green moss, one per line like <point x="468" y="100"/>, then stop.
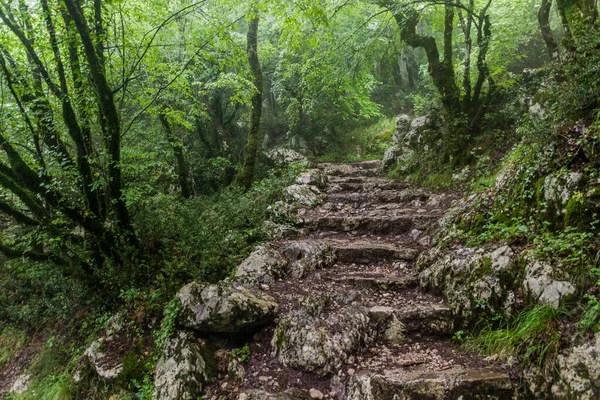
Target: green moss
<point x="578" y="214"/>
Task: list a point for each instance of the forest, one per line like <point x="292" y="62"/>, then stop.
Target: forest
<point x="299" y="199"/>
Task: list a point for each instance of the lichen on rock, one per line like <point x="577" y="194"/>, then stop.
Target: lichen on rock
<point x="224" y="308"/>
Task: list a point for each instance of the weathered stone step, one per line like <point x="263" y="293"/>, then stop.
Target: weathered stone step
<point x="387" y="282"/>
<point x="424" y="319"/>
<point x="467" y="384"/>
<point x="377" y="197"/>
<point x="358" y="185"/>
<point x="363" y="252"/>
<point x="365" y="168"/>
<point x="383" y="224"/>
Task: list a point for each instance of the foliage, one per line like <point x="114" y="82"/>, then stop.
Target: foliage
<point x="364" y="143"/>
<point x="533" y="334"/>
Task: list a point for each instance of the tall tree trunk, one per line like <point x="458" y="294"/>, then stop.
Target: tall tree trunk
<point x="543" y="18"/>
<point x="246" y="174"/>
<point x="182" y="166"/>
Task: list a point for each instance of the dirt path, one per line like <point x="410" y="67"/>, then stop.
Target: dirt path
<point x="376" y="228"/>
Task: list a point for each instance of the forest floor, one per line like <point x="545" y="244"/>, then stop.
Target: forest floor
<point x="377" y="227"/>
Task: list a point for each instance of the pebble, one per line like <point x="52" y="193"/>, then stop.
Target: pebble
<point x="316" y="394"/>
<point x="351" y="371"/>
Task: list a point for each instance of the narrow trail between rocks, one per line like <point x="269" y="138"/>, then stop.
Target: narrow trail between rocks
<point x="358" y="327"/>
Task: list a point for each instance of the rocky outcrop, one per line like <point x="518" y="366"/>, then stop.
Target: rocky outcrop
<point x="579" y="372"/>
<point x="304" y="195"/>
<point x="306" y="256"/>
<point x="182" y="371"/>
<point x="263" y="265"/>
<point x="411" y="136"/>
<point x="224" y="308"/>
<point x="473" y="281"/>
<point x="313" y="177"/>
<point x="321" y="346"/>
<point x="540" y="286"/>
<point x="282" y="157"/>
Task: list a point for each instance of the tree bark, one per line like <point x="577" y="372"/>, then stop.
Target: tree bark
<point x="245" y="177"/>
<point x="182" y="167"/>
<point x="543" y="18"/>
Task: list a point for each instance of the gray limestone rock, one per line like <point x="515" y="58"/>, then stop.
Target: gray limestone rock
<point x="313" y="177"/>
<point x="304" y="195"/>
<point x="263" y="265"/>
<point x="306" y="256"/>
<point x="224" y="308"/>
<point x="579" y="372"/>
<point x="182" y="371"/>
<point x="321" y="345"/>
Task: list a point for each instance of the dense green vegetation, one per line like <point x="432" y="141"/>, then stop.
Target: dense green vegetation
<point x="134" y="135"/>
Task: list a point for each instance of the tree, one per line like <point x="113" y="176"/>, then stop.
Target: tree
<point x="245" y="177"/>
<point x="466" y="105"/>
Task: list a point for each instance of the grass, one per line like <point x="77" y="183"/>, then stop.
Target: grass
<point x="532" y="333"/>
<point x="365" y="143"/>
<point x="11" y="341"/>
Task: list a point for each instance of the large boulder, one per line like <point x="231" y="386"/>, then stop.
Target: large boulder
<point x="263" y="265"/>
<point x="104" y="354"/>
<point x="402" y="128"/>
<point x="306" y="256"/>
<point x="579" y="372"/>
<point x="224" y="308"/>
<point x="282" y="156"/>
<point x="411" y="136"/>
<point x="473" y="281"/>
<point x="313" y="177"/>
<point x="540" y="285"/>
<point x="391" y="156"/>
<point x="321" y="345"/>
<point x="182" y="371"/>
<point x="303" y="195"/>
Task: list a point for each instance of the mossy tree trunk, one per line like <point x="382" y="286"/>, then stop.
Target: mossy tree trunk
<point x="464" y="107"/>
<point x="246" y="175"/>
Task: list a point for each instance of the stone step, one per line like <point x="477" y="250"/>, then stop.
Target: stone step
<point x="388" y="282"/>
<point x="363" y="252"/>
<point x="361" y="185"/>
<point x="469" y="384"/>
<point x="365" y="168"/>
<point x="377" y="197"/>
<point x="424" y="319"/>
<point x="382" y="224"/>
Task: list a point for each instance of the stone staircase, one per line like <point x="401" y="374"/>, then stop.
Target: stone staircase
<point x="358" y="327"/>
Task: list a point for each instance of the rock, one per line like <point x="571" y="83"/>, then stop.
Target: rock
<point x="405" y="385"/>
<point x="236" y="370"/>
<point x="540" y="286"/>
<point x="282" y="157"/>
<point x="283" y="213"/>
<point x="278" y="231"/>
<point x="304" y="195"/>
<point x="182" y="371"/>
<point x="306" y="256"/>
<point x="290" y="394"/>
<point x="321" y="346"/>
<point x="579" y="372"/>
<point x="263" y="265"/>
<point x="403" y="123"/>
<point x="390" y="157"/>
<point x="106" y="367"/>
<point x="313" y="177"/>
<point x="473" y="281"/>
<point x="316" y="394"/>
<point x="224" y="308"/>
<point x="559" y="187"/>
<point x="21" y="384"/>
